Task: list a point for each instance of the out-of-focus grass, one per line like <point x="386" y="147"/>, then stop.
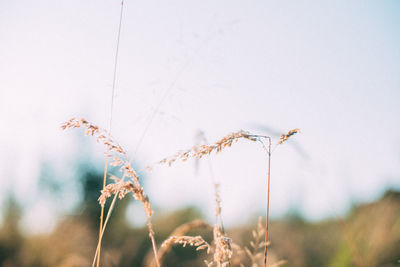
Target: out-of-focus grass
<point x="374" y="229"/>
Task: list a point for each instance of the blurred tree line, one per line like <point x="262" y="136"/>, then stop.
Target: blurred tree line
<point x="369" y="236"/>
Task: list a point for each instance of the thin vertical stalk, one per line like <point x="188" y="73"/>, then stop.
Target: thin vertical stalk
<point x="109" y="129"/>
<point x="102" y="232"/>
<point x="267" y="220"/>
<point x="153" y="242"/>
<point x="151" y="233"/>
<point x="102" y="209"/>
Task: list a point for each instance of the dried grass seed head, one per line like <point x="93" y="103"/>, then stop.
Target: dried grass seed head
<point x="223" y="249"/>
<point x="285" y="137"/>
<point x="200" y="151"/>
<point x="119" y="186"/>
<point x="102" y="136"/>
<point x="194" y="241"/>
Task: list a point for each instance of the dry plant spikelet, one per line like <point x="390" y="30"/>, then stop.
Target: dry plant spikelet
<point x="101" y="135"/>
<point x="223" y="249"/>
<point x="194" y="241"/>
<point x="119" y="187"/>
<point x="285" y="137"/>
<point x="222" y="245"/>
<point x="180" y="231"/>
<point x="122" y="189"/>
<point x="255" y="254"/>
<point x="203" y="150"/>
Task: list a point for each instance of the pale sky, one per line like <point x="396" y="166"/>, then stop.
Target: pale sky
<point x="328" y="68"/>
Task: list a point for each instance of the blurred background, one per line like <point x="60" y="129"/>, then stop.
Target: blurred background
<point x="330" y="69"/>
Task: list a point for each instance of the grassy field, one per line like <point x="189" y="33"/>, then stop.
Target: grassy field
<point x="374" y="230"/>
<point x="368" y="236"/>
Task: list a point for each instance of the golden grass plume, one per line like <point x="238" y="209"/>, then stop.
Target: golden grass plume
<point x="119" y="186"/>
<point x="202" y="150"/>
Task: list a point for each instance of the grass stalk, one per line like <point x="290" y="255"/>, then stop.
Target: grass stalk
<point x="268" y="188"/>
<point x="109" y="130"/>
<point x="102" y="209"/>
<point x="97" y="254"/>
<point x="149" y="225"/>
<point x="153" y="242"/>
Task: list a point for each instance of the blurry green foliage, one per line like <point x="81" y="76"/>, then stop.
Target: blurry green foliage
<point x="343" y="257"/>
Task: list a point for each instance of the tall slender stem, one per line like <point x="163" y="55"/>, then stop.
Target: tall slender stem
<point x="104" y="228"/>
<point x="153" y="242"/>
<point x="269" y="179"/>
<point x="109" y="129"/>
<point x="102" y="208"/>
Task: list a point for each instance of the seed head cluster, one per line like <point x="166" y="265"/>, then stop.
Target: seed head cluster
<point x="194" y="241"/>
<point x="120" y="187"/>
<point x="285" y="137"/>
<point x="93" y="130"/>
<point x="203" y="150"/>
<point x="223" y="249"/>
